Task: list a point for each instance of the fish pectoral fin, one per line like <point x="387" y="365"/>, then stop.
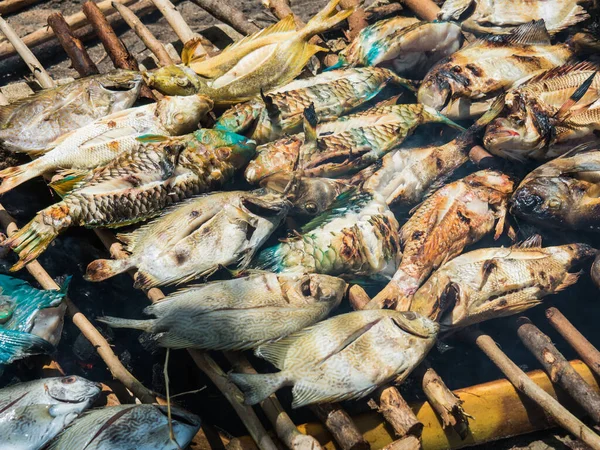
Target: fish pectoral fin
<point x="533" y="241"/>
<point x="189" y="55"/>
<point x="533" y="33"/>
<point x="285" y="25"/>
<point x="566" y="110"/>
<point x="568" y="280"/>
<point x="67" y="181"/>
<point x="18" y="344"/>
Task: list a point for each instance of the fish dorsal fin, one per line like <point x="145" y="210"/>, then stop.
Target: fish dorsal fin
<point x="532" y="33"/>
<point x="560" y="71"/>
<point x="286" y="24"/>
<point x="534" y="241"/>
<point x="347" y="202"/>
<point x="188" y="54"/>
<point x="69" y="182"/>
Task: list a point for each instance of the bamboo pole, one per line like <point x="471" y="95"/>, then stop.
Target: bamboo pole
<point x="524" y="384"/>
<point x="176" y="21"/>
<point x="281" y="9"/>
<point x="224" y="12"/>
<point x="341" y="426"/>
<point x="379" y="12"/>
<point x="406" y="443"/>
<point x="583" y="347"/>
<point x="358" y="20"/>
<point x="80" y="59"/>
<point x="153" y="44"/>
<point x="11" y="6"/>
<point x="423" y="9"/>
<point x="396" y="411"/>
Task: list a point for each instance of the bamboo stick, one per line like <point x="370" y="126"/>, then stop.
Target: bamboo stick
<point x="3" y="100"/>
<point x="396" y="411"/>
<point x="153" y="44"/>
<point x="558" y="368"/>
<point x="358" y="20"/>
<point x="379" y="12"/>
<point x="424" y="9"/>
<point x="11" y="6"/>
<point x="80" y="59"/>
<point x="341" y="426"/>
<point x="583" y="347"/>
<point x="524" y="384"/>
<point x="224" y="12"/>
<point x="406" y="443"/>
<point x="281" y="9"/>
<point x="176" y="21"/>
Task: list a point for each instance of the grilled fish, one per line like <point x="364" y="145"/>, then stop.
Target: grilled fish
<point x="502" y="16"/>
<point x="497" y="282"/>
<point x="343" y="358"/>
<point x="454" y="217"/>
<point x="104" y="139"/>
<point x="239" y="314"/>
<point x="136" y="186"/>
<point x="32" y="413"/>
<point x="31" y="124"/>
<point x="197" y="237"/>
<point x="404" y="44"/>
<point x="333" y="94"/>
<point x="464" y="84"/>
<point x="348" y="144"/>
<point x="357" y="236"/>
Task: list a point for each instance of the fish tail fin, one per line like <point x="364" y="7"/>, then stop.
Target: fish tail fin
<point x="431" y="115"/>
<point x="411" y="85"/>
<point x="116" y="322"/>
<point x="325" y="19"/>
<point x="102" y="269"/>
<point x="18" y="344"/>
<point x="11" y="177"/>
<point x="64" y="287"/>
<point x="143" y="280"/>
<point x="257" y="386"/>
<point x="269" y="259"/>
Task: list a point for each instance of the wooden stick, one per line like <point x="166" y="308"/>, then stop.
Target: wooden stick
<point x="80" y="59"/>
<point x="11" y="6"/>
<point x="357" y="21"/>
<point x="358" y="297"/>
<point x="583" y="347"/>
<point x="406" y="443"/>
<point x="558" y="368"/>
<point x="396" y="411"/>
<point x="224" y="12"/>
<point x="423" y="9"/>
<point x="153" y="44"/>
<point x="341" y="426"/>
<point x="176" y="21"/>
<point x="379" y="12"/>
<point x="115" y="48"/>
<point x="281" y="9"/>
<point x="34" y="65"/>
<point x="283" y="425"/>
<point x="3" y="100"/>
<point x="524" y="384"/>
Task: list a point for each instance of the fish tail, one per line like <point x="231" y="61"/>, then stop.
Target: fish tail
<point x="325" y="19"/>
<point x="431" y="115"/>
<point x="11" y="177"/>
<point x="146" y="325"/>
<point x="102" y="269"/>
<point x="18" y="344"/>
<point x="257" y="386"/>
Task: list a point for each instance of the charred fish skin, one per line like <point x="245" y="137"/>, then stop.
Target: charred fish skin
<point x="136" y="186"/>
<point x="31" y="124"/>
<point x="357" y="236"/>
<point x="342" y="358"/>
<point x="410" y="47"/>
<point x="455" y="216"/>
<point x="239" y="314"/>
<point x="143" y="427"/>
<point x="333" y="94"/>
<point x="197" y="237"/>
<point x="33" y="413"/>
<point x="497" y="282"/>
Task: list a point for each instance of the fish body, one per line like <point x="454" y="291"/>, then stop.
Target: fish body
<point x="452" y="218"/>
<point x="104" y="139"/>
<point x="124" y="427"/>
<point x="534" y="127"/>
<point x="357" y="236"/>
<point x="348" y="144"/>
<point x="31" y="124"/>
<point x="239" y="314"/>
<point x="497" y="282"/>
<point x="33" y="413"/>
<point x="485" y="68"/>
<point x="137" y="185"/>
<point x="197" y="237"/>
<point x="502" y="16"/>
<point x="406" y="45"/>
<point x="345" y="357"/>
<point x="562" y="193"/>
<point x="280" y="112"/>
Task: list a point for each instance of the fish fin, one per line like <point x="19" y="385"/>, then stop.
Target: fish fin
<point x="325" y="19"/>
<point x="269" y="259"/>
<point x="70" y="181"/>
<point x="565" y="110"/>
<point x="103" y="269"/>
<point x="149" y="138"/>
<point x="306" y="394"/>
<point x="146" y="325"/>
<point x="18" y="344"/>
<point x="534" y="241"/>
<point x="30" y="241"/>
<point x="532" y="33"/>
<point x="257" y="386"/>
<point x="575" y="15"/>
<point x="171" y="340"/>
<point x="272" y="109"/>
<point x="568" y="280"/>
<point x="351" y="200"/>
<point x="310" y="124"/>
<point x="411" y="85"/>
<point x="144" y="281"/>
<point x="284" y="25"/>
<point x="495" y="109"/>
<point x="431" y="115"/>
<point x="560" y="71"/>
<point x="188" y="54"/>
<point x="453" y="9"/>
<point x="12" y="177"/>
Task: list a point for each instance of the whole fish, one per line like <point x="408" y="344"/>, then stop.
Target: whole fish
<point x="135" y="186"/>
<point x="104" y="139"/>
<point x="239" y="314"/>
<point x="254" y="64"/>
<point x="543" y="120"/>
<point x="343" y="358"/>
<point x="33" y="413"/>
<point x="333" y="94"/>
<point x="31" y="124"/>
<point x="125" y="427"/>
<point x="462" y="85"/>
<point x="357" y="236"/>
<point x="455" y="216"/>
<point x="502" y="16"/>
<point x="20" y="304"/>
<point x="497" y="282"/>
<point x="352" y="142"/>
<point x="197" y="237"/>
<point x="563" y="193"/>
<point x="407" y="45"/>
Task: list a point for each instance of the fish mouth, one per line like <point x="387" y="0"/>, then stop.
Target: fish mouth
<point x="434" y="96"/>
<point x="524" y="201"/>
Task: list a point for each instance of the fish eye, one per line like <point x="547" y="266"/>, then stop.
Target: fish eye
<point x="554" y="203"/>
<point x="410" y="315"/>
<point x="68" y="380"/>
<point x="179" y="117"/>
<point x="223" y="152"/>
<point x="181" y="82"/>
<point x="311" y="207"/>
<point x="305" y="287"/>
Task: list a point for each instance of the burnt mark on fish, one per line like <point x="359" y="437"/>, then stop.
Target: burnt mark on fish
<point x="417" y="234"/>
<point x="474" y="69"/>
<point x="181" y="257"/>
<point x="463" y="218"/>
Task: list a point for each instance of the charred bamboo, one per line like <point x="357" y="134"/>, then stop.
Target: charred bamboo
<point x="341" y="426"/>
<point x="224" y="12"/>
<point x="583" y="347"/>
